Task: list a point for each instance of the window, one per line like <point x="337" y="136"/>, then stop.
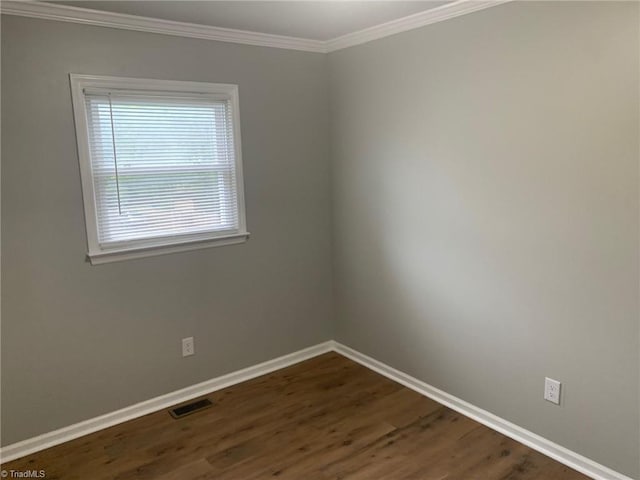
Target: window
<point x="160" y="164"/>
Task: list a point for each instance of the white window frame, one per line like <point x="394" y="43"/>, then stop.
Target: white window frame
<point x="98" y="254"/>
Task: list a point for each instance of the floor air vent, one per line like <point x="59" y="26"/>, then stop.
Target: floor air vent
<point x="189" y="408"/>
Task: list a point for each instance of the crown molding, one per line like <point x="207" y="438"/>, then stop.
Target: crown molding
<point x="420" y="19"/>
<point x="65" y="13"/>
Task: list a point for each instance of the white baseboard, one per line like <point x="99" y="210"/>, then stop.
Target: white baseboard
<point x="563" y="455"/>
<point x="56" y="437"/>
<point x="542" y="445"/>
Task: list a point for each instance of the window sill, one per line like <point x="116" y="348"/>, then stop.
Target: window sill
<point x="108" y="256"/>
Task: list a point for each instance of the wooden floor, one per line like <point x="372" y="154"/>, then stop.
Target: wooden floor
<point x="326" y="418"/>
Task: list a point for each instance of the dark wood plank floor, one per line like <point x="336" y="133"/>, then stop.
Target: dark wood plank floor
<point x="326" y="418"/>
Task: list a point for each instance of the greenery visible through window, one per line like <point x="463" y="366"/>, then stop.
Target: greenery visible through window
<point x="164" y="168"/>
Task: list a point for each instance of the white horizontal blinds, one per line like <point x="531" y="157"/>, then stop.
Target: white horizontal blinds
<point x="161" y="166"/>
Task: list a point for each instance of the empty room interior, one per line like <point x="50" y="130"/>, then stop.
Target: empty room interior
<point x="320" y="240"/>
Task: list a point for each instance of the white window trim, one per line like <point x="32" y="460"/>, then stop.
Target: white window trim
<point x="95" y="253"/>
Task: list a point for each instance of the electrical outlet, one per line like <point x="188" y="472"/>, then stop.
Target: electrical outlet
<point x="188" y="347"/>
<point x="552" y="390"/>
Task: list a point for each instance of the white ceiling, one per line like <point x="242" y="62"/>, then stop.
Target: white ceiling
<point x="317" y="20"/>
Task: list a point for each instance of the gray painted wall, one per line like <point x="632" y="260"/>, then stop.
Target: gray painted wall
<point x="485" y="200"/>
<point x="485" y="176"/>
<point x="79" y="341"/>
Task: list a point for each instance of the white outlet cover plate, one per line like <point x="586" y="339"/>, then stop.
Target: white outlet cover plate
<point x="552" y="390"/>
<point x="188" y="347"/>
